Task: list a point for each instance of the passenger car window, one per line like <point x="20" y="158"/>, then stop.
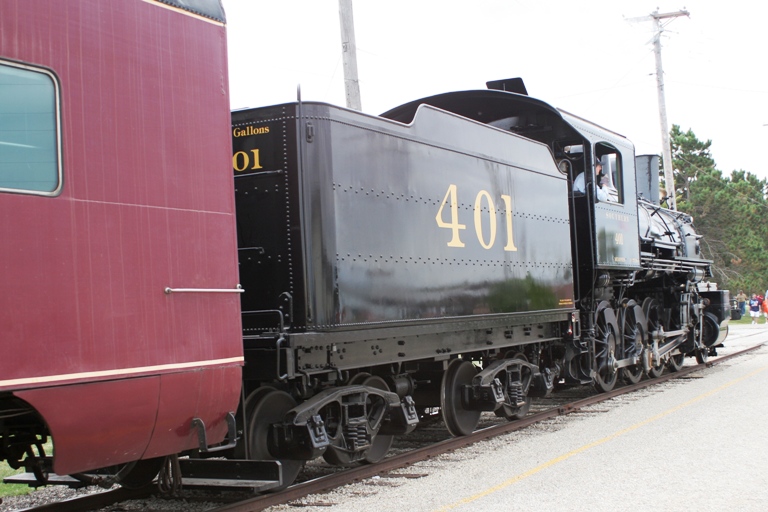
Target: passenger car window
<point x="30" y="160"/>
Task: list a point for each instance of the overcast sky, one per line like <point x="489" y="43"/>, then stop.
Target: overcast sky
<point x="588" y="57"/>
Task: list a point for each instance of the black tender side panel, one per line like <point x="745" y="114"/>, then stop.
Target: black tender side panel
<point x="349" y="220"/>
<point x="265" y="163"/>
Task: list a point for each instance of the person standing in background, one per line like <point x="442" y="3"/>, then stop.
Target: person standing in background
<point x="741" y="301"/>
<point x="754" y="308"/>
<point x="764" y="307"/>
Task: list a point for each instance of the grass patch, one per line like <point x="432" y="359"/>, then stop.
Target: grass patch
<point x="6" y="470"/>
<point x="747" y="320"/>
<point x="11" y="489"/>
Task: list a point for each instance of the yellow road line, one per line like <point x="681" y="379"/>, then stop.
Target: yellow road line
<point x="589" y="446"/>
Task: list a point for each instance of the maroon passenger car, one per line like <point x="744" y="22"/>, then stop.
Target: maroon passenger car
<point x="117" y="235"/>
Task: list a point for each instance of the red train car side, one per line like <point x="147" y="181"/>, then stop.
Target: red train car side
<point x="118" y="247"/>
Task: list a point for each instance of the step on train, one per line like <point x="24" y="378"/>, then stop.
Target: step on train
<point x="303" y="280"/>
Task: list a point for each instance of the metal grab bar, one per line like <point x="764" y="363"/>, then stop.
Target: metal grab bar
<point x="169" y="290"/>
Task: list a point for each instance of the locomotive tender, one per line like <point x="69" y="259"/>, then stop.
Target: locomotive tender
<point x="464" y="253"/>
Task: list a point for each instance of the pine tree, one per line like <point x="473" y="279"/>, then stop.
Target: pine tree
<point x="730" y="212"/>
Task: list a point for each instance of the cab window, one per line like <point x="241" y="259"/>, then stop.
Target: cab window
<point x="29" y="130"/>
<point x="608" y="174"/>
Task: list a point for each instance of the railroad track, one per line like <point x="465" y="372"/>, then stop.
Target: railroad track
<point x="389" y="464"/>
<point x="550" y="408"/>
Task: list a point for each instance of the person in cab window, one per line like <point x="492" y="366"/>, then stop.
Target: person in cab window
<point x="605" y="189"/>
<point x="579" y="186"/>
<point x="602" y="182"/>
<point x="579" y="189"/>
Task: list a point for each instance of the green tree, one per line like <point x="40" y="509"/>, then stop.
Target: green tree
<point x="690" y="158"/>
<point x="728" y="211"/>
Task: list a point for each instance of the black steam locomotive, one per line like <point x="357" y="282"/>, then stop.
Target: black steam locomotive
<point x="467" y="252"/>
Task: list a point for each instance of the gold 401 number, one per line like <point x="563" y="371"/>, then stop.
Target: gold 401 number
<point x="483" y="198"/>
<point x="242" y="161"/>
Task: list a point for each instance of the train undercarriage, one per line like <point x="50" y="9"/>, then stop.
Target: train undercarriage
<point x="351" y="415"/>
<point x="324" y="401"/>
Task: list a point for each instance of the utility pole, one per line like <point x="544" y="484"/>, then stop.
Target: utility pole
<point x="669" y="176"/>
<point x="666" y="149"/>
<point x="349" y="54"/>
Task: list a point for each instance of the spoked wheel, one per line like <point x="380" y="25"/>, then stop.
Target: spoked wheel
<point x="458" y="420"/>
<point x="675" y="362"/>
<point x="656" y="371"/>
<point x="268" y="409"/>
<point x="702" y="355"/>
<point x="633" y="333"/>
<point x="606" y="373"/>
<point x="511" y="412"/>
<point x="652" y="315"/>
<point x="380" y="444"/>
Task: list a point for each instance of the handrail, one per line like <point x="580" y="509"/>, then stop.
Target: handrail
<point x="168" y="290"/>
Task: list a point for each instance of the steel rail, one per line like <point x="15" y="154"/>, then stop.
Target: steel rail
<point x="389" y="464"/>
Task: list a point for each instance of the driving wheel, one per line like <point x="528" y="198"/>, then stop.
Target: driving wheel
<point x="633" y="335"/>
<point x="653" y="317"/>
<point x="606" y="373"/>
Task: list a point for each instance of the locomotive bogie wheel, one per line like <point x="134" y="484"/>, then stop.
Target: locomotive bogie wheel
<point x="512" y="413"/>
<point x="241" y="449"/>
<point x="380" y="444"/>
<point x="605" y="349"/>
<point x="270" y="408"/>
<point x="335" y="454"/>
<point x="459" y="420"/>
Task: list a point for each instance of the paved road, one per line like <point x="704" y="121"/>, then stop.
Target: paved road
<point x="699" y="443"/>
